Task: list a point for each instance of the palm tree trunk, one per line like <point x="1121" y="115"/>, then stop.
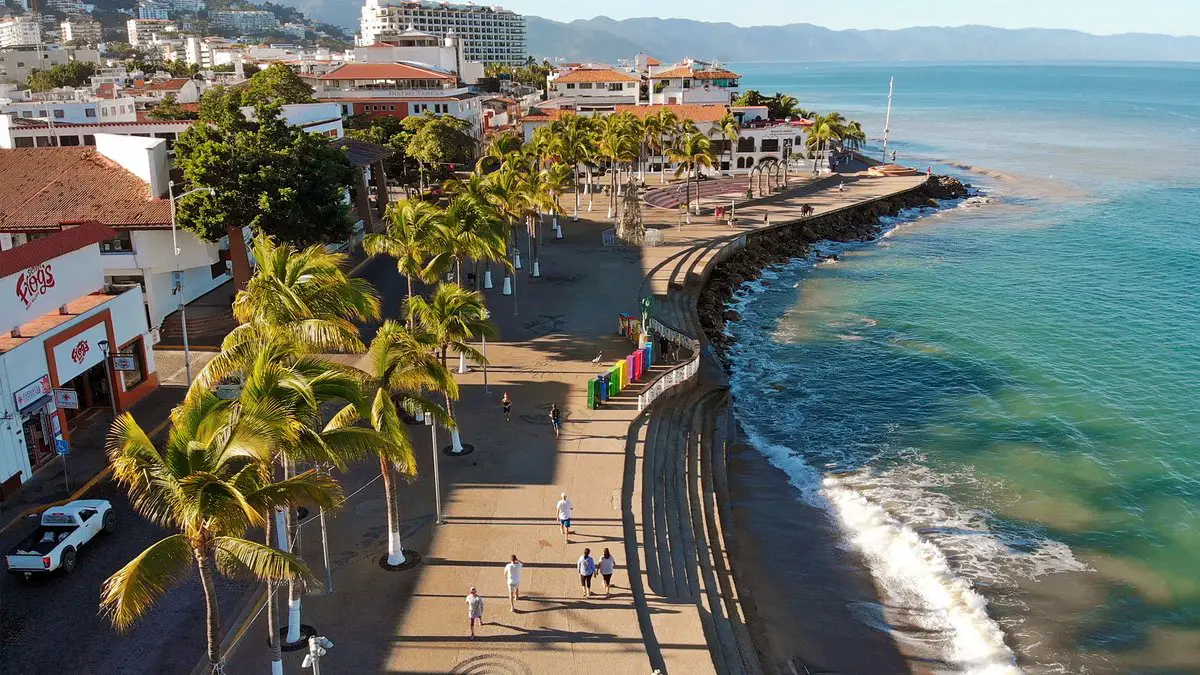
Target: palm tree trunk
<point x="212" y="612"/>
<point x="410" y="295"/>
<point x="575" y="173"/>
<point x="395" y="550"/>
<point x="273" y="644"/>
<point x="591" y="189"/>
<point x="456" y="445"/>
<point x="295" y="592"/>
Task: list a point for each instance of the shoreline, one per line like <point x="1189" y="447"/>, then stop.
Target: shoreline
<point x="821" y="609"/>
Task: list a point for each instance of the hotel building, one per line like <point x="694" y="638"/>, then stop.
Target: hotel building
<point x="489" y="34"/>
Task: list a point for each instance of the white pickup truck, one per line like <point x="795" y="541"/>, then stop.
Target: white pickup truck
<point x="64" y="530"/>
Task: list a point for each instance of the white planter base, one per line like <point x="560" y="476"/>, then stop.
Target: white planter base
<point x="507" y="286"/>
<point x="537" y="270"/>
<point x="487" y="279"/>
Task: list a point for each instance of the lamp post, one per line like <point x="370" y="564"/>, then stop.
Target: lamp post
<point x="437" y="483"/>
<point x="483" y="336"/>
<point x="178" y="289"/>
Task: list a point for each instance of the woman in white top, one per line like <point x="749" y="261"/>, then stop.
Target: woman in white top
<point x="512" y="574"/>
<point x="606" y="565"/>
<point x="563" y="510"/>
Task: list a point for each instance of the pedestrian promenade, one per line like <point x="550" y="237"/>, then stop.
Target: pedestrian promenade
<point x="499" y="500"/>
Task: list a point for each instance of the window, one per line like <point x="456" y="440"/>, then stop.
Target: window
<point x="23" y="142"/>
<point x="585" y="85"/>
<point x="45" y="142"/>
<point x="770" y="145"/>
<point x="122" y="243"/>
<point x="59" y="113"/>
<point x="615" y="86"/>
<point x="89" y="139"/>
<point x="90" y="112"/>
<point x="687" y="84"/>
<point x="26" y="113"/>
<point x="41" y="113"/>
<point x="745" y="145"/>
<point x="68" y="141"/>
<point x="570" y="85"/>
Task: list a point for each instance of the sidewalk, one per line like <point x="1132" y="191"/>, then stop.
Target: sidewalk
<point x="500" y="499"/>
<point x="87" y="462"/>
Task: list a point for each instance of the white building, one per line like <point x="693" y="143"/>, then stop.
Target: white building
<point x="414" y="46"/>
<point x="70" y="341"/>
<point x="594" y="82"/>
<point x="152" y="9"/>
<point x="187" y="6"/>
<point x="489" y="34"/>
<point x="244" y="21"/>
<point x="20" y="31"/>
<point x="83" y="29"/>
<point x="692" y="82"/>
<point x="71" y="107"/>
<point x="143" y="31"/>
<point x="17" y="64"/>
<point x="184" y="89"/>
<point x="208" y="52"/>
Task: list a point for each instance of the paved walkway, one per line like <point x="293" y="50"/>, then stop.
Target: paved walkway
<point x="500" y="499"/>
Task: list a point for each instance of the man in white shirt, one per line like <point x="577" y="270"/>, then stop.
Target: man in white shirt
<point x="512" y="574"/>
<point x="564" y="516"/>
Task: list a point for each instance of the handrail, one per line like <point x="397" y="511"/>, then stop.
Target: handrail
<point x="676" y="376"/>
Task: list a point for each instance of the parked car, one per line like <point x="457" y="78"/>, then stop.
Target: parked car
<point x="63" y="531"/>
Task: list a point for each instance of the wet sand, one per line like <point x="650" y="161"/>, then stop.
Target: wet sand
<point x="814" y="597"/>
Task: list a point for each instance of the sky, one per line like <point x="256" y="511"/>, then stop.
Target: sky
<point x="1102" y="17"/>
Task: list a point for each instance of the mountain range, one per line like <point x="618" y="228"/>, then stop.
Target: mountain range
<point x="605" y="39"/>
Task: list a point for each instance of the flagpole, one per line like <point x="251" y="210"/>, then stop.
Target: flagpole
<point x="887" y="125"/>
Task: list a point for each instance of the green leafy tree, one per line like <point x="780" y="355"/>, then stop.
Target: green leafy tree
<point x="70" y="74"/>
<point x="179" y="68"/>
<point x="276" y="84"/>
<point x="169" y="109"/>
<point x="437" y="141"/>
<point x="390" y="133"/>
<point x="728" y="127"/>
<point x="277" y="179"/>
<point x="693" y="152"/>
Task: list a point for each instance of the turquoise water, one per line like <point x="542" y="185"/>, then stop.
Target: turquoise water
<point x="999" y="403"/>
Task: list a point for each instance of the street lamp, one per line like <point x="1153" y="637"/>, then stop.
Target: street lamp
<point x="437" y="483"/>
<point x="178" y="289"/>
<point x="318" y="646"/>
<point x="483" y="336"/>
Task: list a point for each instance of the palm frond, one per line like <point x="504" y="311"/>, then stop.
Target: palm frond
<point x="134" y="588"/>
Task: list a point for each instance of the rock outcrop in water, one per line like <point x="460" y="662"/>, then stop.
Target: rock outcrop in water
<point x="794" y="240"/>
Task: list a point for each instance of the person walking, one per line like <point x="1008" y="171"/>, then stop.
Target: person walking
<point x="506" y="403"/>
<point x="587" y="570"/>
<point x="512" y="574"/>
<point x="607" y="564"/>
<point x="474" y="609"/>
<point x="563" y="509"/>
<point x="556" y="419"/>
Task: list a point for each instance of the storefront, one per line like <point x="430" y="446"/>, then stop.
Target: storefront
<point x="73" y="346"/>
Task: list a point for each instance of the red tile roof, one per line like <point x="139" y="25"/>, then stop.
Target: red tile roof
<point x="41" y="250"/>
<point x="106" y="90"/>
<point x="546" y="114"/>
<point x="173" y="84"/>
<point x="46" y="187"/>
<point x="651" y="61"/>
<point x="596" y="75"/>
<point x="686" y="111"/>
<point x="383" y="71"/>
<point x="684" y="71"/>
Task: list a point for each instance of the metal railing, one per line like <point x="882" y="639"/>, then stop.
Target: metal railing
<point x="676" y="376"/>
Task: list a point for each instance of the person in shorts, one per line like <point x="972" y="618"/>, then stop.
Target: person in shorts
<point x="563" y="510"/>
<point x="606" y="565"/>
<point x="474" y="609"/>
<point x="512" y="575"/>
<point x="506" y="403"/>
<point x="587" y="569"/>
<point x="555" y="419"/>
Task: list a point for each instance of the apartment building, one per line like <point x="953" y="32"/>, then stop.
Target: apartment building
<point x="17" y="63"/>
<point x="154" y="10"/>
<point x="692" y="81"/>
<point x="20" y="31"/>
<point x="78" y="107"/>
<point x="142" y="31"/>
<point x="414" y="46"/>
<point x="244" y="22"/>
<point x="82" y="29"/>
<point x="489" y="34"/>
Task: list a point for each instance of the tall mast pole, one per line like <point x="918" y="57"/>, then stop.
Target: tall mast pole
<point x="887" y="125"/>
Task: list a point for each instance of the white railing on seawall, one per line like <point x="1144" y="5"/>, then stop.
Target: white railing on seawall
<point x="676" y="376"/>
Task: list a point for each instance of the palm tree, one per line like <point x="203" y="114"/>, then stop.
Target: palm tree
<point x="617" y="142"/>
<point x="573" y="136"/>
<point x="728" y="127"/>
<point x="452" y="317"/>
<point x="693" y="152"/>
<point x="400" y="365"/>
<point x="407" y="239"/>
<point x="668" y="124"/>
<point x="504" y="194"/>
<point x="306" y="293"/>
<point x="826" y="130"/>
<point x="500" y="147"/>
<point x="537" y="196"/>
<point x="466" y="229"/>
<point x="558" y="177"/>
<point x="207" y="483"/>
<point x="788" y="106"/>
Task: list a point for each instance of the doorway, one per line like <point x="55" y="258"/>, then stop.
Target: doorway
<point x="94" y="389"/>
<point x="36" y="432"/>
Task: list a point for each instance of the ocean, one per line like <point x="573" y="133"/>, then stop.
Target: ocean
<point x="997" y="404"/>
